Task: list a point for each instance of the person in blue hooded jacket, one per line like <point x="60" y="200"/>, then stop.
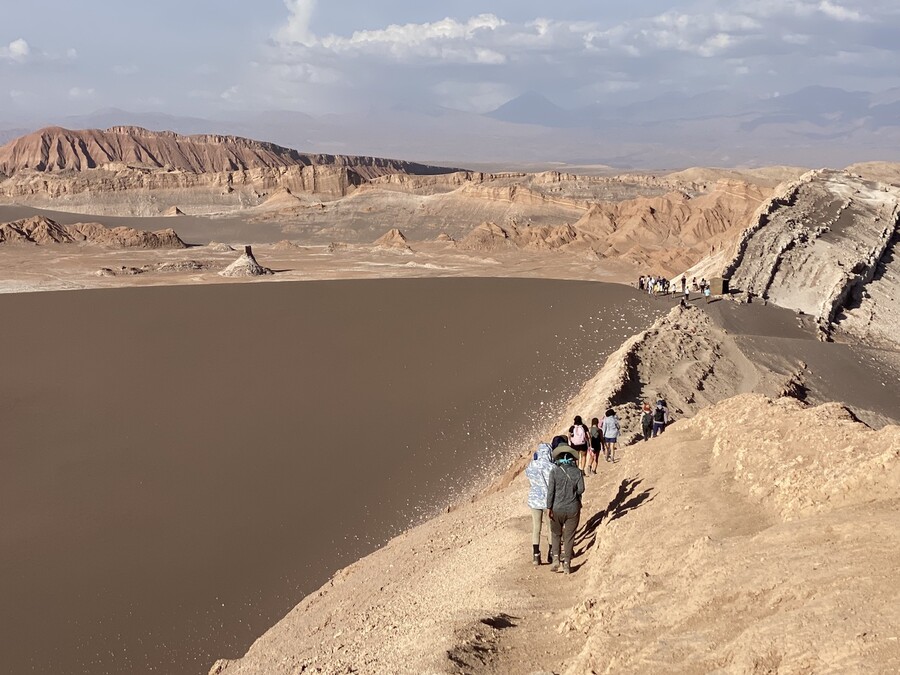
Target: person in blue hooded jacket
<point x="538" y="474"/>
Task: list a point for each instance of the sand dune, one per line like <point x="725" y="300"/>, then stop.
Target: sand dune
<point x="734" y="541"/>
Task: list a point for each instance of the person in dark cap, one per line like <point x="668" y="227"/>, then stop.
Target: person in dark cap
<point x="564" y="490"/>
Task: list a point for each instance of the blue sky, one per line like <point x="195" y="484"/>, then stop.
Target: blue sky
<point x="215" y="58"/>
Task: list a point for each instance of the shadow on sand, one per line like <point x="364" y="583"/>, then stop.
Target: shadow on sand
<point x="625" y="500"/>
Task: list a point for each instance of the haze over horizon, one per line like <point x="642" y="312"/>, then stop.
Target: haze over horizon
<point x="655" y="85"/>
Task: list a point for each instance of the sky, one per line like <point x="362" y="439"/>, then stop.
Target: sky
<point x="217" y="58"/>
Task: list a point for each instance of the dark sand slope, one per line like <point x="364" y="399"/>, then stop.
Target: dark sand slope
<point x="182" y="465"/>
<point x="756" y="535"/>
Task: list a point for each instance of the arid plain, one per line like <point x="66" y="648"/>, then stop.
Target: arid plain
<point x="758" y="535"/>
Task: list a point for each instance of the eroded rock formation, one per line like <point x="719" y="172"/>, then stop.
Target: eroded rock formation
<point x="41" y="231"/>
<point x="246" y="266"/>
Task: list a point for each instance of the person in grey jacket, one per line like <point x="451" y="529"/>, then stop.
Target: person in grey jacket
<point x="538" y="473"/>
<point x="564" y="490"/>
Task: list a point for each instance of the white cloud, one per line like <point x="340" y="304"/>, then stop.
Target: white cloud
<point x="125" y="70"/>
<point x="840" y="13"/>
<point x="17" y="50"/>
<point x="297" y="28"/>
<point x="81" y="92"/>
<point x="20" y="51"/>
<point x="448" y="40"/>
<point x="462" y="61"/>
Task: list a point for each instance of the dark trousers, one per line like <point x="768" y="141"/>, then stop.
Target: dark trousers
<point x="658" y="428"/>
<point x="563" y="526"/>
<point x="648" y="431"/>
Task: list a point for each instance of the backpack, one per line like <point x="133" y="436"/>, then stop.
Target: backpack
<point x="578" y="437"/>
<point x="659" y="415"/>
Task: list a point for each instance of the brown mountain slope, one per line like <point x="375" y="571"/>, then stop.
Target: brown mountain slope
<point x="58" y="149"/>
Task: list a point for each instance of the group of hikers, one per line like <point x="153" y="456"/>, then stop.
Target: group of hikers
<point x="557" y="471"/>
<point x="661" y="286"/>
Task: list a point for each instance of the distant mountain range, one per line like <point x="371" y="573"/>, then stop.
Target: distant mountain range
<point x="816" y="126"/>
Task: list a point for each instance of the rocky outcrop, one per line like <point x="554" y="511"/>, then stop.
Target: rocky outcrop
<point x="684" y="358"/>
<point x="818" y="244"/>
<point x="393" y="240"/>
<point x="245" y="266"/>
<point x="491" y="237"/>
<point x="486" y="238"/>
<point x="41" y="231"/>
<point x="672" y="232"/>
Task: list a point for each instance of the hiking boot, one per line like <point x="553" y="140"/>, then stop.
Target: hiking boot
<point x="554" y="564"/>
<point x="536" y="559"/>
<point x="566" y="568"/>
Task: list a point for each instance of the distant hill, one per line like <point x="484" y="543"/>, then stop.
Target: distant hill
<point x="533" y="108"/>
<point x="55" y="149"/>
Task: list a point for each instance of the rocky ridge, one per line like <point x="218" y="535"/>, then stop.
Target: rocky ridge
<point x="56" y="149"/>
<point x="42" y="231"/>
<point x="732" y="535"/>
<point x="825" y="246"/>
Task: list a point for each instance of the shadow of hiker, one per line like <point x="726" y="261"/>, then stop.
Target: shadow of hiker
<point x="625" y="500"/>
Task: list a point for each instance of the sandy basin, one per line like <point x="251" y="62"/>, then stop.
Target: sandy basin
<point x="182" y="465"/>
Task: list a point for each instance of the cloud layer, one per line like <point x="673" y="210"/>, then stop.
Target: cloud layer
<point x="759" y="45"/>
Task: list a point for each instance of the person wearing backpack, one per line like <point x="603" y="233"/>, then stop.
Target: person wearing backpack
<point x="564" y="490"/>
<point x="611" y="429"/>
<point x="538" y="474"/>
<point x="578" y="441"/>
<point x="660" y="418"/>
<point x="595" y="437"/>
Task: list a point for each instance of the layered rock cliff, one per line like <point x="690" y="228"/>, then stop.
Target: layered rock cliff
<point x="819" y="245"/>
<point x="56" y="149"/>
<point x="133" y="171"/>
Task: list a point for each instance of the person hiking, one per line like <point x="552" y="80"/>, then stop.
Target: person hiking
<point x="660" y="418"/>
<point x="538" y="474"/>
<point x="578" y="441"/>
<point x="564" y="490"/>
<point x="596" y="440"/>
<point x="646" y="420"/>
<point x="611" y="428"/>
<point x="707" y="291"/>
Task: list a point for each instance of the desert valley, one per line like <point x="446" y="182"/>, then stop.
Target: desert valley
<point x="285" y="402"/>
